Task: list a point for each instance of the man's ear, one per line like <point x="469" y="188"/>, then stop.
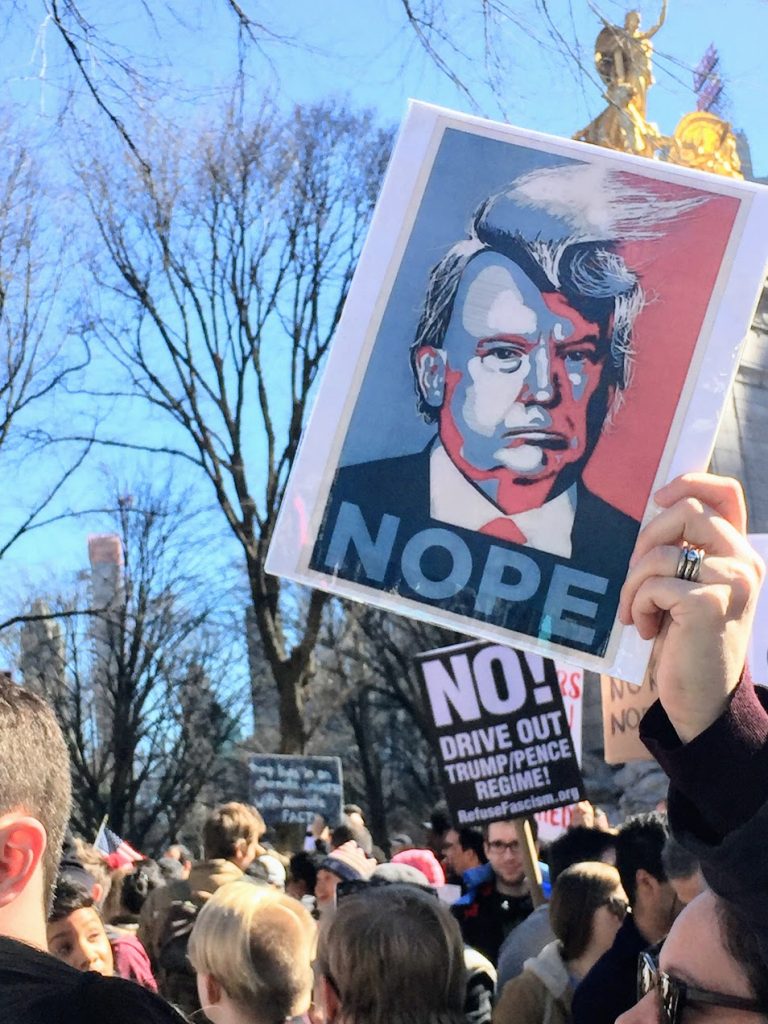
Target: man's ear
<point x="22" y="846"/>
<point x="646" y="886"/>
<point x="430" y="371"/>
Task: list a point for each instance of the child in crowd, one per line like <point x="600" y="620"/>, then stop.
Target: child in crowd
<point x="252" y="948"/>
<point x="76" y="935"/>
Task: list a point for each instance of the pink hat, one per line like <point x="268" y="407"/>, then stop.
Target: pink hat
<point x="425" y="861"/>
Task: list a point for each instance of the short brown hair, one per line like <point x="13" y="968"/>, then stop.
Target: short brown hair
<point x="258" y="944"/>
<point x="394" y="955"/>
<point x="577" y="894"/>
<point x="227" y="825"/>
<point x="34" y="769"/>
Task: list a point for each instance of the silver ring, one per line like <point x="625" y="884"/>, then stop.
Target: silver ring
<point x="689" y="563"/>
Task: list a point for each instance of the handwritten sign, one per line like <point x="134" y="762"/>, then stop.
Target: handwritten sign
<point x="292" y="790"/>
<point x="553" y="823"/>
<point x="624" y="704"/>
<point x="503" y="739"/>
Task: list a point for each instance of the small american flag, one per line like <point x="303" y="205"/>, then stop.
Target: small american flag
<point x="117" y="851"/>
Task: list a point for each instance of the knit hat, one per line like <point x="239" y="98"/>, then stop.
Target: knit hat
<point x="275" y="870"/>
<point x="401" y="874"/>
<point x="348" y="862"/>
<point x="425" y="861"/>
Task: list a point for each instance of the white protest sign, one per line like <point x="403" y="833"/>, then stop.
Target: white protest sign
<point x="427" y="481"/>
<point x="571" y="678"/>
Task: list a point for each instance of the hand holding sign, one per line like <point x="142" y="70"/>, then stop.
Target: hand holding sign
<point x="702" y="627"/>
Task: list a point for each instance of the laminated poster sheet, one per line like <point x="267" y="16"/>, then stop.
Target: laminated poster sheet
<point x="538" y="335"/>
<point x="501" y="732"/>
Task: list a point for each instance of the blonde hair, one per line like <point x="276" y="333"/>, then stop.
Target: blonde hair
<point x="258" y="944"/>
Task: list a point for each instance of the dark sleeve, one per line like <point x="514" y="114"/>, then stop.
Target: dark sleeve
<point x="115" y="1001"/>
<point x="718" y="799"/>
<point x="601" y="997"/>
<point x="719" y="780"/>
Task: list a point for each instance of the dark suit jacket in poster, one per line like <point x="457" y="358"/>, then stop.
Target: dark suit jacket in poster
<point x="602" y="538"/>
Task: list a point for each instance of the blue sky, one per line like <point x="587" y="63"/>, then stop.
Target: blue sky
<point x="364" y="50"/>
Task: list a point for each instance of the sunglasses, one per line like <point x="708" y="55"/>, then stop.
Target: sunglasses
<point x="674" y="995"/>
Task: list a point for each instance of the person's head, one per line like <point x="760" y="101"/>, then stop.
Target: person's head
<point x="639" y="843"/>
<point x="526" y="333"/>
<point x="182" y="854"/>
<point x="232" y="832"/>
<point x="400" y="841"/>
<point x="350" y="829"/>
<point x="435" y="829"/>
<point x="580" y="844"/>
<point x="369" y="973"/>
<point x="346" y="863"/>
<point x="632" y="21"/>
<point x="302" y="874"/>
<point x="35" y="798"/>
<point x="138" y="884"/>
<point x="586" y="910"/>
<point x="355" y="814"/>
<point x="504" y="853"/>
<point x="95" y="864"/>
<point x="251" y="948"/>
<point x="463" y="848"/>
<point x="424" y="861"/>
<point x="709" y="949"/>
<point x="683" y="870"/>
<point x="76" y="932"/>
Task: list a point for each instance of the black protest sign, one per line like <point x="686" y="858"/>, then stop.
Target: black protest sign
<point x="501" y="732"/>
<point x="292" y="790"/>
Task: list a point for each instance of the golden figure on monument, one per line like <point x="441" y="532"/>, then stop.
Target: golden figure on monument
<point x="624" y="61"/>
<point x="624" y="56"/>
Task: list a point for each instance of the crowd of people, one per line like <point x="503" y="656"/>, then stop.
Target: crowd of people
<point x="661" y="919"/>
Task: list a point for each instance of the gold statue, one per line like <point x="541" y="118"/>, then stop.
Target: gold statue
<point x="624" y="56"/>
<point x="706" y="142"/>
<point x="624" y="61"/>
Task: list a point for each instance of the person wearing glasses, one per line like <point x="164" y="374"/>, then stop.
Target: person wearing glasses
<point x="489" y="914"/>
<point x="709" y="731"/>
<point x="586" y="911"/>
<point x="610" y="987"/>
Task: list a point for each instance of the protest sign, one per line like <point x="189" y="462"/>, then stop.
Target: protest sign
<point x="624" y="704"/>
<point x="758" y="642"/>
<point x="292" y="790"/>
<point x="501" y="401"/>
<point x="502" y="737"/>
<point x="571" y="679"/>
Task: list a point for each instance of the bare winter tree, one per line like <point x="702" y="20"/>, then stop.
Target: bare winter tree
<point x="145" y="689"/>
<point x="370" y="689"/>
<point x="37" y="360"/>
<point x="223" y="273"/>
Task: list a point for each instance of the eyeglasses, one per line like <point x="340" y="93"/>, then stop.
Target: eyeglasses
<point x="674" y="995"/>
<point x="499" y="846"/>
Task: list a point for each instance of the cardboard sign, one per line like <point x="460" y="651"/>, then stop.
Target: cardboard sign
<point x="502" y="734"/>
<point x="758" y="642"/>
<point x="553" y="823"/>
<point x="502" y="398"/>
<point x="624" y="704"/>
<point x="292" y="790"/>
